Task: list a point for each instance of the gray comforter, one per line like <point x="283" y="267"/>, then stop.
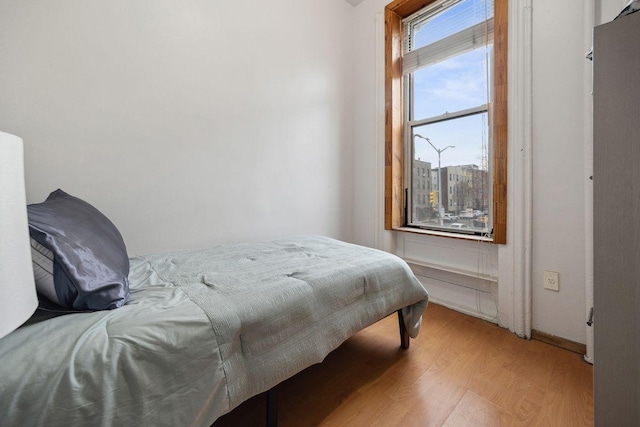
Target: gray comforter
<point x="204" y="330"/>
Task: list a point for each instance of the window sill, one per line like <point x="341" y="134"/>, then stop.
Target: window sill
<point x="444" y="234"/>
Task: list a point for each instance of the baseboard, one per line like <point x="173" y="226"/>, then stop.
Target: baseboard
<point x="564" y="343"/>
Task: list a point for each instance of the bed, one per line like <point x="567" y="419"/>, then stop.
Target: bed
<point x="202" y="331"/>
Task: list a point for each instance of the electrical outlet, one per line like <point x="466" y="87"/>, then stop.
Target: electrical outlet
<point x="551" y="280"/>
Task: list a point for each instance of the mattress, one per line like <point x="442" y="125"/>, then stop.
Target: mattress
<point x="204" y="330"/>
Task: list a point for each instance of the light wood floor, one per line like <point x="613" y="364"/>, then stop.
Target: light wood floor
<point x="460" y="371"/>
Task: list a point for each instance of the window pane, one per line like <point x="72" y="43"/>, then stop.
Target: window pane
<point x="452" y="85"/>
<point x="456" y="18"/>
<point x="460" y="147"/>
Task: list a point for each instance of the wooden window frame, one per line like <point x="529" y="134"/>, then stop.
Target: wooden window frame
<point x="394" y="213"/>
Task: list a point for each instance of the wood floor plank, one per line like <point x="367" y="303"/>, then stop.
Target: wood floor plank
<point x="459" y="371"/>
<point x="474" y="410"/>
<point x="567" y="391"/>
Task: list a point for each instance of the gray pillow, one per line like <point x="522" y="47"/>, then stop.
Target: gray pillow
<point x="42" y="259"/>
<point x="90" y="261"/>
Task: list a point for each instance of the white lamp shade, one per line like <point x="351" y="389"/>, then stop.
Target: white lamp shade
<point x="18" y="299"/>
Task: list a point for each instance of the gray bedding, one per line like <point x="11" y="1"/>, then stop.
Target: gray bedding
<point x="203" y="331"/>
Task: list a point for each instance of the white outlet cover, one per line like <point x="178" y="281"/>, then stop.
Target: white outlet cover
<point x="551" y="280"/>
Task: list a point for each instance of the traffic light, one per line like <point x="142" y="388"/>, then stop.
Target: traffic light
<point x="433" y="197"/>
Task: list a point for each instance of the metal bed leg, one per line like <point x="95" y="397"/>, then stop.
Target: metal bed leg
<point x="272" y="408"/>
<point x="404" y="334"/>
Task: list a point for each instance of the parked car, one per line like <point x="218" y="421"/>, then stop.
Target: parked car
<point x="467" y="213"/>
<point x="449" y="217"/>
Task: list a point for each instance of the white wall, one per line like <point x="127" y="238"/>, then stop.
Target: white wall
<point x="188" y="123"/>
<point x="606" y="10"/>
<point x="559" y="175"/>
<point x="558" y="166"/>
<point x="561" y="78"/>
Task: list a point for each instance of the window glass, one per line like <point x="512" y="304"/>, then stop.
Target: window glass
<point x="461" y="15"/>
<point x="469" y="136"/>
<point x="455" y="84"/>
<point x="448" y="118"/>
<point x="460" y="150"/>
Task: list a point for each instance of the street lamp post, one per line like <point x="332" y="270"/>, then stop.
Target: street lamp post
<point x="439" y="151"/>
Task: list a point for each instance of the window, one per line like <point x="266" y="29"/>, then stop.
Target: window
<point x="447" y="53"/>
<point x="445" y="89"/>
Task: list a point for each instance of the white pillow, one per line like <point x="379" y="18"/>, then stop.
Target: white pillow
<point x="42" y="259"/>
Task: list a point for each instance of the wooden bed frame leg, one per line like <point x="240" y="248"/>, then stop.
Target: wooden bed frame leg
<point x="272" y="408"/>
<point x="404" y="334"/>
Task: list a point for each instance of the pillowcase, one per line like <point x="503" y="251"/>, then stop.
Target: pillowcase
<point x="90" y="262"/>
<point x="42" y="259"/>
